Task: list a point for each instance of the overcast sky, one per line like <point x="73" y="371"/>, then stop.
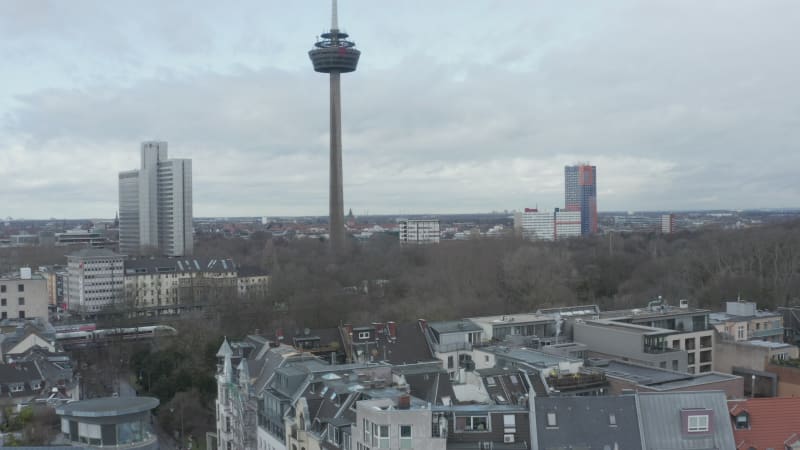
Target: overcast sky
<point x="457" y="106"/>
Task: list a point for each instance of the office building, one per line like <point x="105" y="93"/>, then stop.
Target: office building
<point x="95" y="280"/>
<point x="580" y="194"/>
<point x="548" y="225"/>
<point x="110" y="422"/>
<point x="418" y="231"/>
<point x="155" y="204"/>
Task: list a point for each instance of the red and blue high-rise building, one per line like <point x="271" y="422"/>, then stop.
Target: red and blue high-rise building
<point x="580" y="194"/>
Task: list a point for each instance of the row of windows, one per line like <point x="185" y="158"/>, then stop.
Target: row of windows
<point x="20" y="288"/>
<point x="20" y="301"/>
<point x="4" y="315"/>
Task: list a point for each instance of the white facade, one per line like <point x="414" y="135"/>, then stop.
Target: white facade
<point x="538" y="225"/>
<point x="418" y="231"/>
<point x="568" y="224"/>
<point x="155" y="204"/>
<point x="23" y="295"/>
<point x="668" y="223"/>
<point x="95" y="280"/>
<point x="549" y="225"/>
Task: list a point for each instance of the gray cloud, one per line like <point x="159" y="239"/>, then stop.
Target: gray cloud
<point x="680" y="105"/>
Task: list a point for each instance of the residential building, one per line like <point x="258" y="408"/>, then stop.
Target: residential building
<point x="787" y="374"/>
<point x="452" y="343"/>
<point x="764" y="423"/>
<point x="667" y="223"/>
<point x="743" y="321"/>
<point x="580" y="194"/>
<point x="626" y="376"/>
<point x="685" y="420"/>
<point x="398" y="423"/>
<point x="533" y="329"/>
<point x="109" y="422"/>
<point x="791" y="323"/>
<point x="155" y="286"/>
<point x="756" y="361"/>
<point x="20" y="383"/>
<point x="691" y="331"/>
<point x="608" y="422"/>
<point x="20" y="335"/>
<point x="631" y="342"/>
<point x="95" y="280"/>
<point x="418" y="231"/>
<point x="252" y="282"/>
<point x="155" y="204"/>
<point x="23" y="295"/>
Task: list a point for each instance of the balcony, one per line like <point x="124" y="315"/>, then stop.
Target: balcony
<point x="778" y="331"/>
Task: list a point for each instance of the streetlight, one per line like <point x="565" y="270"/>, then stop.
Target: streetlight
<point x="753" y="385"/>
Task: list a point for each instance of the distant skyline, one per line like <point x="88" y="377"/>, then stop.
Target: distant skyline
<point x="456" y="107"/>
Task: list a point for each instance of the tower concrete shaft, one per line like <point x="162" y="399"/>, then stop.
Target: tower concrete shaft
<point x="336" y="200"/>
<point x="335" y="55"/>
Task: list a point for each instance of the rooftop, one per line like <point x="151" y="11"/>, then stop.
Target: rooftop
<point x="629" y="327"/>
<point x="654" y="312"/>
<point x="454" y="326"/>
<point x="772" y="421"/>
<point x="528" y="356"/>
<point x="94" y="253"/>
<point x="509" y="319"/>
<point x="108" y="407"/>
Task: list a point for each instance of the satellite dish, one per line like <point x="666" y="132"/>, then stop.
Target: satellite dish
<point x="306" y="331"/>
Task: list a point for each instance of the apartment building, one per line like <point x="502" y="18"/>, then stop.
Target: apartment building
<point x="743" y="321"/>
<point x="155" y="286"/>
<point x="23" y="294"/>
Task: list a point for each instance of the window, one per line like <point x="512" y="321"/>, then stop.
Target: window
<point x="22" y="314"/>
<point x="20" y="288"/>
<point x="2" y="302"/>
<point x="490" y="381"/>
<point x="3" y="315"/>
<point x="509" y="423"/>
<point x="449" y="362"/>
<point x="380" y="436"/>
<point x="698" y="424"/>
<point x="675" y="364"/>
<point x="612" y="419"/>
<point x="514" y="379"/>
<point x="662" y="364"/>
<point x="551" y="420"/>
<point x="690" y="344"/>
<point x="676" y="343"/>
<point x="2" y="287"/>
<point x="742" y="421"/>
<point x="740" y="332"/>
<point x="367" y="432"/>
<point x="475" y="423"/>
<point x="363" y="334"/>
<point x="691" y="359"/>
<point x="21" y="301"/>
<point x="405" y="436"/>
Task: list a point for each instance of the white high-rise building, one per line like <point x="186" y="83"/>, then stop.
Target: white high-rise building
<point x="418" y="231"/>
<point x="155" y="204"/>
<point x="95" y="280"/>
<point x="548" y="225"/>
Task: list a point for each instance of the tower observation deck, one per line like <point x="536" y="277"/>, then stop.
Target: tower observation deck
<point x="334" y="54"/>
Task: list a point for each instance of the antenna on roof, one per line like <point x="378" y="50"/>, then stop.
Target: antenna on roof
<point x="334" y="16"/>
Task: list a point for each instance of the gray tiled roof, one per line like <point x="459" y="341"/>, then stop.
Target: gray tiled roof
<point x="660" y="415"/>
<point x="585" y="422"/>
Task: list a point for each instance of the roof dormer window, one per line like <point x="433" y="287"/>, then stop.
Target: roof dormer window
<point x="742" y="421"/>
<point x="698" y="423"/>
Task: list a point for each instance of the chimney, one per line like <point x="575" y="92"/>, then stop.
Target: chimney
<point x="404" y="402"/>
<point x="348" y="328"/>
<point x="279" y="334"/>
<point x="392" y="330"/>
<point x="423" y="324"/>
<point x="379" y="328"/>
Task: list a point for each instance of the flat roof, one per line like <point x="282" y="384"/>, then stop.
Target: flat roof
<point x="108" y="407"/>
<point x="767" y="344"/>
<point x="645" y="313"/>
<point x="641" y="374"/>
<point x="527" y="355"/>
<point x="696" y="380"/>
<point x="454" y="326"/>
<point x="512" y="319"/>
<point x="629" y="327"/>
